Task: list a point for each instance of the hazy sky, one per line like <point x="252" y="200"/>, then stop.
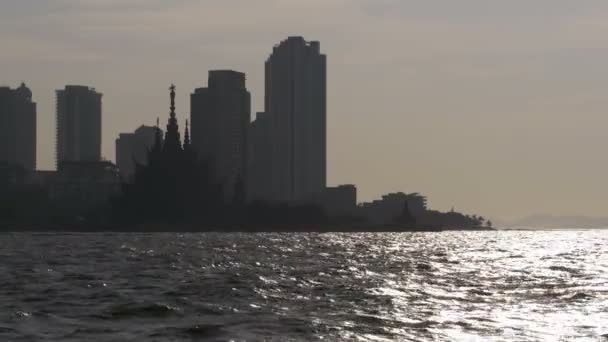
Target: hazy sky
<point x="495" y="107"/>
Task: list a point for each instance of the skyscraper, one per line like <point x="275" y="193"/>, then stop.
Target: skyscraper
<point x="133" y="148"/>
<point x="260" y="159"/>
<point x="220" y="116"/>
<point x="295" y="100"/>
<point x="18" y="127"/>
<point x="78" y="124"/>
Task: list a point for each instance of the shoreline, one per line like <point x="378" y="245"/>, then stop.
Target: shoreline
<point x="191" y="228"/>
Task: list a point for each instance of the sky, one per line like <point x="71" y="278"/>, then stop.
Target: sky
<point x="492" y="107"/>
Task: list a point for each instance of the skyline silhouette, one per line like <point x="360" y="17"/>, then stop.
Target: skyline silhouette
<point x="303" y="170"/>
<point x="172" y="187"/>
<point x="465" y="108"/>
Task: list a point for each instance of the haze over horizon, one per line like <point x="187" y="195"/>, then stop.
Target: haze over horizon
<point x="495" y="108"/>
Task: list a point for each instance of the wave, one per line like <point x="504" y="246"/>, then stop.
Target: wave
<point x="153" y="310"/>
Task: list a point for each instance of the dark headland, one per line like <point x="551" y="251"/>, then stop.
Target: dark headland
<point x="221" y="171"/>
<point x="193" y="228"/>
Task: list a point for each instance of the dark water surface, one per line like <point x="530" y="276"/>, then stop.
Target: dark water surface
<point x="477" y="286"/>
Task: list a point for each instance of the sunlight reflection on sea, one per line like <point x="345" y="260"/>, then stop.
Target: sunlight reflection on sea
<point x="473" y="286"/>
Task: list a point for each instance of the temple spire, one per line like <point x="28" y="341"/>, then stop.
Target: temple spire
<point x="154" y="154"/>
<point x="157" y="137"/>
<point x="172" y="94"/>
<point x="186" y="135"/>
<point x="172" y="140"/>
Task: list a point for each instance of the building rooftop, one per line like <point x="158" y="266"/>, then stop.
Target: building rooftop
<point x="79" y="89"/>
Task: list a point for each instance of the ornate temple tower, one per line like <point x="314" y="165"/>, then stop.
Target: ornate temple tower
<point x="173" y="186"/>
<point x="188" y="150"/>
<point x="173" y="144"/>
<point x="186" y="137"/>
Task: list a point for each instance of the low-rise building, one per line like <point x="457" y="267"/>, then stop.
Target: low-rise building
<point x="391" y="206"/>
<point x="11" y="176"/>
<point x="81" y="185"/>
<point x="338" y="201"/>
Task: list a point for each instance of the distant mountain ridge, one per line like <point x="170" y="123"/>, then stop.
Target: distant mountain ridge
<point x="556" y="222"/>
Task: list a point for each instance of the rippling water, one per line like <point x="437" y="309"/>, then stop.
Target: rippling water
<point x="515" y="286"/>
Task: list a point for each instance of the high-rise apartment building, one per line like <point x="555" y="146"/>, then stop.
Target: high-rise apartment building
<point x="295" y="101"/>
<point x="260" y="159"/>
<point x="18" y="127"/>
<point x="220" y="116"/>
<point x="78" y="124"/>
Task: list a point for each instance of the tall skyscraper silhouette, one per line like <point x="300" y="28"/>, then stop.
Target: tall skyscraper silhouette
<point x="296" y="102"/>
<point x="260" y="159"/>
<point x="220" y="116"/>
<point x="18" y="127"/>
<point x="132" y="148"/>
<point x="78" y="124"/>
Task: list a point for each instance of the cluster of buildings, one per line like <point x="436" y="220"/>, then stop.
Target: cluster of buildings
<point x="280" y="156"/>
